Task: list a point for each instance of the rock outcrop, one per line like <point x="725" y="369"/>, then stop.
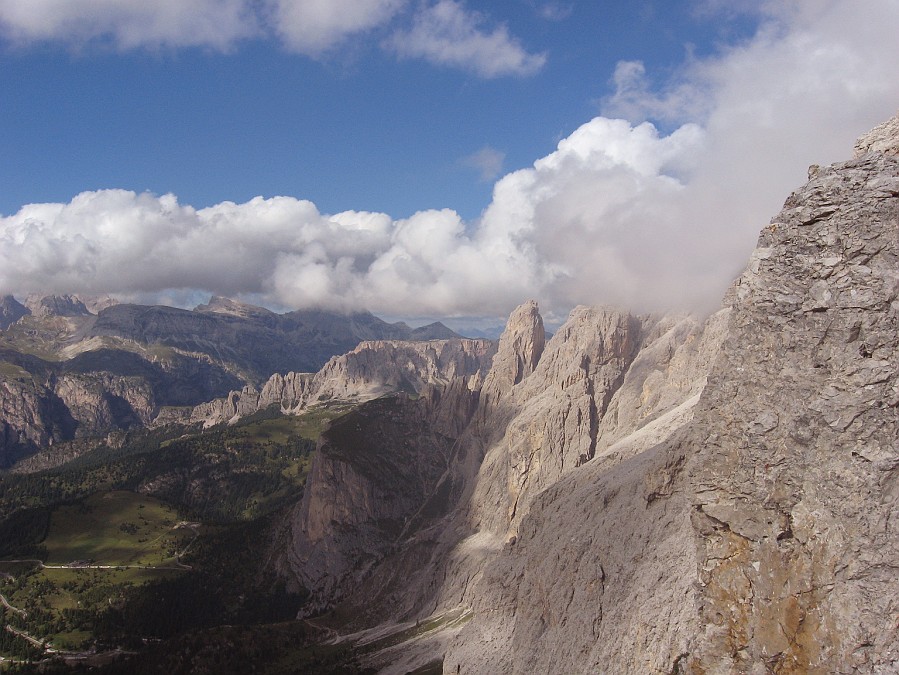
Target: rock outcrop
<point x="252" y="342"/>
<point x="373" y="476"/>
<point x="794" y="478"/>
<point x="534" y="418"/>
<point x="56" y="305"/>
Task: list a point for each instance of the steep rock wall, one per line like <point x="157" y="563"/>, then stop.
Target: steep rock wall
<point x="795" y="479"/>
<point x="372" y="369"/>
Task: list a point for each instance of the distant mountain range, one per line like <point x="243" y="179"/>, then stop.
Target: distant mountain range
<point x="72" y="366"/>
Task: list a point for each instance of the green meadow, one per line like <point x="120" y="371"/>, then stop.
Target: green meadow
<point x="116" y="528"/>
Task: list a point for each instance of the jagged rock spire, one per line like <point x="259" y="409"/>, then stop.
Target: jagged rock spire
<point x="520" y="348"/>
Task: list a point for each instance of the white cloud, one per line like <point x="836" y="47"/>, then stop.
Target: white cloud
<point x="314" y="26"/>
<point x="444" y="33"/>
<point x="619" y="213"/>
<point x="128" y="24"/>
<point x="448" y="34"/>
<point x="487" y="161"/>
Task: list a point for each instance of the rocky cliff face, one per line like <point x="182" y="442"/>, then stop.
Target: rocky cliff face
<point x="231" y="334"/>
<point x="11" y="310"/>
<point x="372" y="369"/>
<point x="539" y="414"/>
<point x="664" y="495"/>
<point x="93" y="393"/>
<point x="794" y="478"/>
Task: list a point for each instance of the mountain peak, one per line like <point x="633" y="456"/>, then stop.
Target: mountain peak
<point x="520" y="347"/>
<point x="11" y="310"/>
<point x="56" y="305"/>
<point x="221" y="305"/>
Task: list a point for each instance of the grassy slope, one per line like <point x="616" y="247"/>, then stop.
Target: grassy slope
<point x="89" y="517"/>
<point x="115" y="528"/>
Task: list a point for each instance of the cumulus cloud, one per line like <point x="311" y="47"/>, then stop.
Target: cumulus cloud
<point x="448" y="34"/>
<point x="128" y="24"/>
<point x="619" y="213"/>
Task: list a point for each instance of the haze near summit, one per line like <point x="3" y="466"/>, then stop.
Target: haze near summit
<point x="433" y="158"/>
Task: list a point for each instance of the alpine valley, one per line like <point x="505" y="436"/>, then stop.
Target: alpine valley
<point x="230" y="490"/>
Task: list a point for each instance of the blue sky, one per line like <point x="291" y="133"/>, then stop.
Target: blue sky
<point x="355" y="127"/>
<point x="460" y="155"/>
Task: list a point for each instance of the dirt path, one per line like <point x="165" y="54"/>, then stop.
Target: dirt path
<point x="28" y="637"/>
<point x="6" y="604"/>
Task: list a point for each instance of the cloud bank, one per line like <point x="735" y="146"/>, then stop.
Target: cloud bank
<point x="620" y="213"/>
<point x="444" y="32"/>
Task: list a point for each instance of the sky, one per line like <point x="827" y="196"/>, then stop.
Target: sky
<point x="420" y="158"/>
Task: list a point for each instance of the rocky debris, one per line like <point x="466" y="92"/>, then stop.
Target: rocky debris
<point x="11" y="310"/>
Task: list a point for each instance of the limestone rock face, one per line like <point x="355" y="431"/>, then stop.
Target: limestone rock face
<point x="36" y="413"/>
<point x="373" y="472"/>
<point x="56" y="305"/>
<point x="600" y="579"/>
<point x="533" y="427"/>
<point x="668" y="495"/>
<point x="30" y="418"/>
<point x="795" y="473"/>
<point x="101" y="401"/>
<point x="11" y="310"/>
<point x="519" y="351"/>
<point x="370" y="370"/>
<point x="554" y="412"/>
<point x="589" y="532"/>
<point x="883" y="139"/>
